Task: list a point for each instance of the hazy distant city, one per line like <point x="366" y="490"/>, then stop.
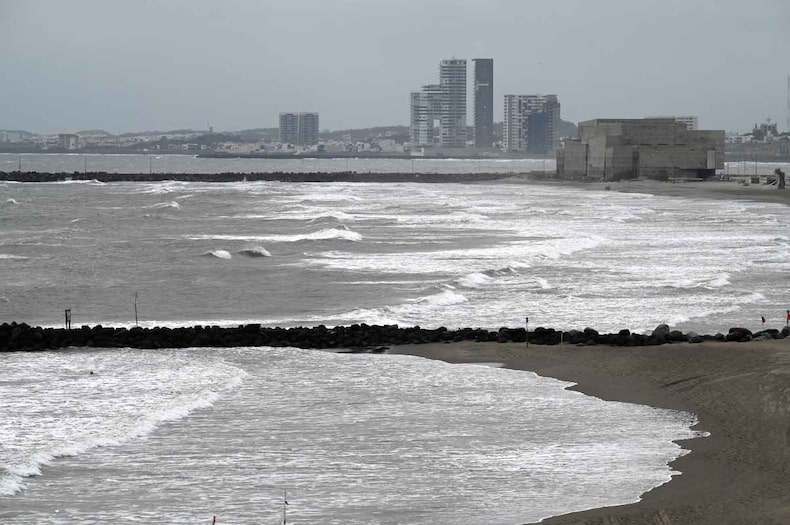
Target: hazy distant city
<point x="439" y="126"/>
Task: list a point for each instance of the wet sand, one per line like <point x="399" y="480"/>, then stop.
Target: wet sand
<point x="740" y="474"/>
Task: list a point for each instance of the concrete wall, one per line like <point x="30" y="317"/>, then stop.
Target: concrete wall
<point x="575" y="160"/>
<point x="655" y="148"/>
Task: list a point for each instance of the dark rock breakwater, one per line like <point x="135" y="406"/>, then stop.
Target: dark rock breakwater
<point x="355" y="338"/>
<point x="346" y="176"/>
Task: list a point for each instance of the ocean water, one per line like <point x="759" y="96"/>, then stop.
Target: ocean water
<point x="179" y="436"/>
<point x="476" y="255"/>
<point x="145" y="163"/>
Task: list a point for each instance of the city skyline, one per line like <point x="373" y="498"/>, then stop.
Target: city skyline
<point x="119" y="67"/>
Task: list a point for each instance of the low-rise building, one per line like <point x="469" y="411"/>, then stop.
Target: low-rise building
<point x="656" y="148"/>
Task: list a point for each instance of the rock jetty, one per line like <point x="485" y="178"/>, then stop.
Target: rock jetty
<point x="353" y="338"/>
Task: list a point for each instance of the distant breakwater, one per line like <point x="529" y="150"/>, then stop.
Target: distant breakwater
<point x="344" y="176"/>
<point x="354" y="338"/>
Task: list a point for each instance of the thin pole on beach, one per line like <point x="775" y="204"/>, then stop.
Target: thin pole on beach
<point x="526" y="319"/>
<point x="285" y="503"/>
<point x="19" y="168"/>
<point x="135" y="310"/>
<point x="150" y="164"/>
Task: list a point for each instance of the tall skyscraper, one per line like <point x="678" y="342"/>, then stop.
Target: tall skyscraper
<point x="531" y="123"/>
<point x="300" y="129"/>
<point x="484" y="102"/>
<point x="452" y="79"/>
<point x="426" y="109"/>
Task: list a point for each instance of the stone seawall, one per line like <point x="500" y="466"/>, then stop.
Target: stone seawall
<point x="346" y="176"/>
<point x="357" y="337"/>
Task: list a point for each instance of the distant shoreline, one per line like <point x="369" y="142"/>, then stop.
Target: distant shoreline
<point x="340" y="176"/>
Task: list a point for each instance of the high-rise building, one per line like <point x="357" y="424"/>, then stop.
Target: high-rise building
<point x="691" y="121"/>
<point x="300" y="129"/>
<point x="289" y="128"/>
<point x="484" y="102"/>
<point x="531" y="123"/>
<point x="308" y="129"/>
<point x="452" y="79"/>
<point x="426" y="109"/>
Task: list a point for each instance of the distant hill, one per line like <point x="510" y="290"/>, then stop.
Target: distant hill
<point x="568" y="129"/>
<point x="22" y="132"/>
<point x="94" y="133"/>
<point x="397" y="133"/>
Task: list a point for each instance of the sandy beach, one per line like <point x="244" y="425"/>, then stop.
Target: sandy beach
<point x="712" y="189"/>
<point x="740" y="392"/>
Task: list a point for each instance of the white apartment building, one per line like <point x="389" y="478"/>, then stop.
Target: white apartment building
<point x="452" y="80"/>
<point x="531" y="123"/>
<point x="300" y="129"/>
<point x="426" y="110"/>
<point x="691" y="121"/>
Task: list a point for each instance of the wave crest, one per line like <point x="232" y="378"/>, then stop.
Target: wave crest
<point x="255" y="251"/>
<point x="219" y="254"/>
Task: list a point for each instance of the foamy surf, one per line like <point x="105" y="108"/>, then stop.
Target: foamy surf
<point x="172" y="204"/>
<point x="475" y="280"/>
<point x="129" y="396"/>
<point x="321" y="235"/>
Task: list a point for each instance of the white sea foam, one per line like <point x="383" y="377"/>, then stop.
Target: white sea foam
<point x="722" y="279"/>
<point x="334" y="215"/>
<point x="171" y="204"/>
<point x="11" y="256"/>
<point x="328" y="234"/>
<point x="130" y="396"/>
<point x="443" y="298"/>
<point x="475" y="280"/>
<point x="11" y="201"/>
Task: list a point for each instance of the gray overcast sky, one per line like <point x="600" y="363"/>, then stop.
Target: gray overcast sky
<point x="134" y="65"/>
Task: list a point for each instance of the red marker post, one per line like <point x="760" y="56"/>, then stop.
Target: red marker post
<point x="526" y="321"/>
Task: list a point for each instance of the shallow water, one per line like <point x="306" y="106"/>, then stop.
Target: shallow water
<point x="179" y="436"/>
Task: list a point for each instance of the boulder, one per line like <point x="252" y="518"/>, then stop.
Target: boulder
<point x="739" y="335"/>
<point x="661" y="332"/>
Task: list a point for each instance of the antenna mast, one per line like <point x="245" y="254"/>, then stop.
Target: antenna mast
<point x="788" y="104"/>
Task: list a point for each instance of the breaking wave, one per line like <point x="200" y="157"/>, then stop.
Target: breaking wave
<point x="171" y="204"/>
<point x="443" y="298"/>
<point x="331" y="233"/>
<point x="475" y="280"/>
<point x="255" y="251"/>
<point x="219" y="254"/>
<point x="114" y="428"/>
